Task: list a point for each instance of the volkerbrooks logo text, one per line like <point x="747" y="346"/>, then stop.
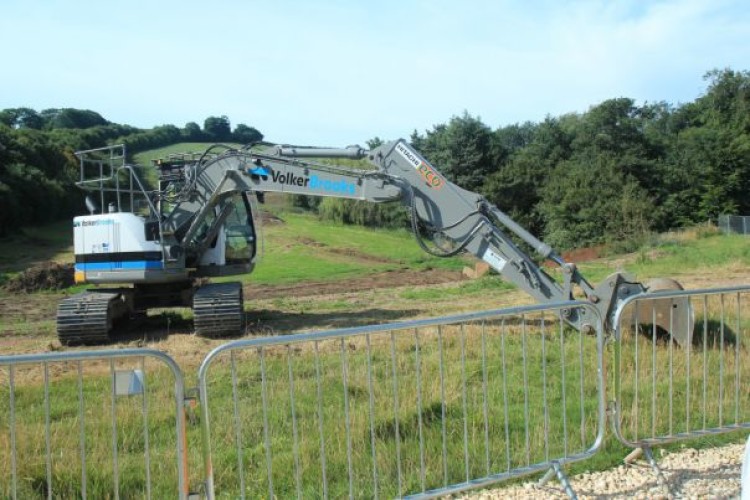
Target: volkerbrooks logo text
<point x="315" y="182"/>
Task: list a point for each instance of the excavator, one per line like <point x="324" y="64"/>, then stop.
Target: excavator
<point x="148" y="246"/>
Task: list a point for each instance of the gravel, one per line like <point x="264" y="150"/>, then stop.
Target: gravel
<point x="689" y="473"/>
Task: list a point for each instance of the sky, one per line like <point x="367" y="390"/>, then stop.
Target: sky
<point x="340" y="72"/>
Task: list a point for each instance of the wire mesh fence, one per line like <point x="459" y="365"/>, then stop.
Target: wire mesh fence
<point x="734" y="224"/>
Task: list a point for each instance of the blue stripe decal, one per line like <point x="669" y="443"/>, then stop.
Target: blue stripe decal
<point x="116" y="266"/>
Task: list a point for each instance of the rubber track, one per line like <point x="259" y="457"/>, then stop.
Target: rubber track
<point x="218" y="310"/>
<point x="85" y="318"/>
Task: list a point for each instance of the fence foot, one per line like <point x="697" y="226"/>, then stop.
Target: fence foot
<point x="633" y="456"/>
<point x="660" y="478"/>
<point x="556" y="470"/>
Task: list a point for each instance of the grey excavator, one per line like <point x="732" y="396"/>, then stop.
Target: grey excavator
<point x="149" y="247"/>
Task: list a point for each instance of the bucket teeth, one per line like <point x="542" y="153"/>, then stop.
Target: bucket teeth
<point x="218" y="310"/>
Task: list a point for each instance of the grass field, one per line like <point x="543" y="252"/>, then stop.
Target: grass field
<point x="300" y="250"/>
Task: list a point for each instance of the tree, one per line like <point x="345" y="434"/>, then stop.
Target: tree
<point x="72" y="118"/>
<point x="526" y="157"/>
<point x="192" y="132"/>
<point x="217" y="128"/>
<point x="460" y="150"/>
<point x="589" y="201"/>
<point x="246" y="135"/>
<point x="374" y="142"/>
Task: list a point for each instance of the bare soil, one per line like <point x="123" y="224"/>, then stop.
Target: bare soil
<point x="387" y="279"/>
<point x="43" y="276"/>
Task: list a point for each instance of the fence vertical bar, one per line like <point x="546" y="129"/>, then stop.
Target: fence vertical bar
<point x="144" y="412"/>
<point x="721" y="364"/>
<point x="47" y="443"/>
<point x="266" y="431"/>
<point x="582" y="371"/>
<point x="394" y="374"/>
<point x="671" y="368"/>
<point x="295" y="433"/>
<point x="442" y="407"/>
<point x="237" y="422"/>
<point x="418" y="367"/>
<point x="564" y="387"/>
<point x="545" y="405"/>
<point x="115" y="465"/>
<point x="485" y="398"/>
<point x="654" y="387"/>
<point x="636" y="337"/>
<point x="688" y="351"/>
<point x="506" y="412"/>
<point x="737" y="364"/>
<point x="527" y="438"/>
<point x="705" y="360"/>
<point x="463" y="401"/>
<point x="320" y="421"/>
<point x="82" y="429"/>
<point x="12" y="425"/>
<point x="371" y="408"/>
<point x="347" y="424"/>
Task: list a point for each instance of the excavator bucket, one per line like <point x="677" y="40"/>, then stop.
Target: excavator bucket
<point x="672" y="316"/>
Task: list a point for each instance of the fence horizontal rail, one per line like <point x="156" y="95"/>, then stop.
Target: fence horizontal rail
<point x="694" y="386"/>
<point x="424" y="408"/>
<point x="92" y="424"/>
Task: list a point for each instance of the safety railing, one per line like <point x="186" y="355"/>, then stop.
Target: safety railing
<point x="693" y="383"/>
<point x="424" y="408"/>
<point x="92" y="424"/>
<point x="421" y="408"/>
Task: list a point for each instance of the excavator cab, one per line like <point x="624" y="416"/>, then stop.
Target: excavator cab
<point x="233" y="249"/>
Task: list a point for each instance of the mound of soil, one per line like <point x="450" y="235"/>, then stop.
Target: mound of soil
<point x="44" y="276"/>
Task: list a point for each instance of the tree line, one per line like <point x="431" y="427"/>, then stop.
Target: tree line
<point x="614" y="173"/>
<point x="38" y="167"/>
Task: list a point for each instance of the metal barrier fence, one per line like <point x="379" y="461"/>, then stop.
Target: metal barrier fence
<point x="422" y="408"/>
<point x="92" y="424"/>
<point x="696" y="386"/>
<point x="737" y="224"/>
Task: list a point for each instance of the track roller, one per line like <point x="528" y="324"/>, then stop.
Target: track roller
<point x="218" y="310"/>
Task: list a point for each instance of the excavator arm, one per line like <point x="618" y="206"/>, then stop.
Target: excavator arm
<point x="446" y="219"/>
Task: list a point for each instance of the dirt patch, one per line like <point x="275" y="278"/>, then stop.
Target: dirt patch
<point x="270" y="219"/>
<point x="44" y="276"/>
<point x="387" y="279"/>
<point x="351" y="252"/>
<point x="310" y="242"/>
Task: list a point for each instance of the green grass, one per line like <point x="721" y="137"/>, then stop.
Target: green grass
<point x="476" y="287"/>
<point x="306" y="249"/>
<point x="670" y="258"/>
<point x="378" y="403"/>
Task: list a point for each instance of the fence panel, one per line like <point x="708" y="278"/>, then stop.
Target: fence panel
<point x="666" y="390"/>
<point x="734" y="224"/>
<point x="421" y="408"/>
<point x="92" y="424"/>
